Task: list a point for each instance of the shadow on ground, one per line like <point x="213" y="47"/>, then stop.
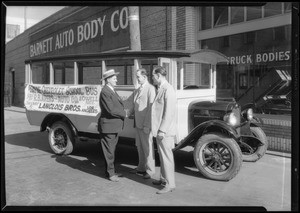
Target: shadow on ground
<point x="93" y="162"/>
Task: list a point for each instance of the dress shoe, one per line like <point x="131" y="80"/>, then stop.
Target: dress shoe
<point x="114" y="178"/>
<point x="159" y="182"/>
<point x="141" y="173"/>
<point x="165" y="190"/>
<point x="119" y="175"/>
<point x="147" y="176"/>
<point x="133" y="171"/>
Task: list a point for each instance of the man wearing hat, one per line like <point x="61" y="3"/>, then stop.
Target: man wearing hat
<point x="111" y="122"/>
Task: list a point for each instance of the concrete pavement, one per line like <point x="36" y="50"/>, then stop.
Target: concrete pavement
<point x="34" y="176"/>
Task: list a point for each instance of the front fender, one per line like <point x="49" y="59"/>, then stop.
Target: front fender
<point x="204" y="128"/>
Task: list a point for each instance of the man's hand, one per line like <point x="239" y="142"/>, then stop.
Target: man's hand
<point x="160" y="135"/>
<point x="127" y="113"/>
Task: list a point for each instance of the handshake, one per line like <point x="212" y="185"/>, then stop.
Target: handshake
<point x="128" y="113"/>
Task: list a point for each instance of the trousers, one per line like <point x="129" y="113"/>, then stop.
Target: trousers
<point x="144" y="143"/>
<point x="108" y="143"/>
<point x="167" y="166"/>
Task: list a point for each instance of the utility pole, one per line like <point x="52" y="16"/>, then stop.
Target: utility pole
<point x="25" y="18"/>
<point x="135" y="38"/>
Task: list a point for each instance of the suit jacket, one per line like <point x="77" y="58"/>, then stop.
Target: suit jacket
<point x="112" y="112"/>
<point x="143" y="99"/>
<point x="163" y="111"/>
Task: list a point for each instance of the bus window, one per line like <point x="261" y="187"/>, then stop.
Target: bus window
<point x="92" y="72"/>
<point x="63" y="72"/>
<point x="149" y="64"/>
<point x="196" y="76"/>
<point x="69" y="72"/>
<point x="40" y="73"/>
<point x="59" y="73"/>
<point x="124" y="67"/>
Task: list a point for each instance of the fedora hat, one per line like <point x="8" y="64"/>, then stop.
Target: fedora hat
<point x="109" y="73"/>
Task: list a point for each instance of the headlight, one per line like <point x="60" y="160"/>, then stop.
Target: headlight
<point x="231" y="119"/>
<point x="249" y="114"/>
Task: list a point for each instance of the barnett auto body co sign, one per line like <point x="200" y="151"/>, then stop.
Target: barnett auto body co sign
<point x="86" y="30"/>
<point x="77" y="99"/>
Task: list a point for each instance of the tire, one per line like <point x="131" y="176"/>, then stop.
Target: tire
<point x="259" y="151"/>
<point x="218" y="157"/>
<point x="64" y="142"/>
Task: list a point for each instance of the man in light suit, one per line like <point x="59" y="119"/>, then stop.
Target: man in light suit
<point x="111" y="122"/>
<point x="163" y="125"/>
<point x="143" y="98"/>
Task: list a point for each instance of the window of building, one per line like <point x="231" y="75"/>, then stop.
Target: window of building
<point x="206" y="18"/>
<point x="212" y="17"/>
<point x="254" y="13"/>
<point x="272" y="9"/>
<point x="287" y="7"/>
<point x="237" y="15"/>
<point x="220" y="16"/>
<point x="225" y="41"/>
<point x="12" y="30"/>
<point x="249" y="37"/>
<point x="279" y="33"/>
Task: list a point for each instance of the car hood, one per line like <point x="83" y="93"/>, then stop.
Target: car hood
<point x="226" y="106"/>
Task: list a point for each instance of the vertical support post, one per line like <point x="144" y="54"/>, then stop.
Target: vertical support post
<point x="51" y="73"/>
<point x="75" y="73"/>
<point x="181" y="75"/>
<point x="103" y="71"/>
<point x="28" y="78"/>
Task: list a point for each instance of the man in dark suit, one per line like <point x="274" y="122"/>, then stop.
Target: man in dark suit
<point x="111" y="122"/>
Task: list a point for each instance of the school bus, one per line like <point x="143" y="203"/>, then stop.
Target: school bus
<point x="62" y="97"/>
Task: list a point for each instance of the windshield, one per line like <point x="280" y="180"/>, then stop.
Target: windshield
<point x="195" y="75"/>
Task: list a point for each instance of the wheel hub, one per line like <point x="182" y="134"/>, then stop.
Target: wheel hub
<point x="216" y="157"/>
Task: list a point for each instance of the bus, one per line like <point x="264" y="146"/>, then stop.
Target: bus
<point x="62" y="97"/>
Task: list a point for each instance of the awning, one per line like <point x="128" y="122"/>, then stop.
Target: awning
<point x="205" y="56"/>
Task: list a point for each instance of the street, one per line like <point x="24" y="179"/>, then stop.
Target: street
<point x="35" y="176"/>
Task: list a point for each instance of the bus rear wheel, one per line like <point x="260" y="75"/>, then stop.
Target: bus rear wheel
<point x="61" y="139"/>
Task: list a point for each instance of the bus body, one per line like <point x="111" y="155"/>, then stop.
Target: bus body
<point x="62" y="97"/>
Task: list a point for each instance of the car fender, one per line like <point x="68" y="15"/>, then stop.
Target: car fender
<point x="204" y="128"/>
<point x="53" y="117"/>
<point x="244" y="138"/>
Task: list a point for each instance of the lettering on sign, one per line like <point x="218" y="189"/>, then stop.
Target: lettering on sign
<point x="93" y="29"/>
<point x="77" y="99"/>
<point x="261" y="57"/>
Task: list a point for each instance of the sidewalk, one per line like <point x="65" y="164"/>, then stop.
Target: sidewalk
<point x="15" y="109"/>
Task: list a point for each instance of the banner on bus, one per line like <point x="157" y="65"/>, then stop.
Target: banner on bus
<point x="71" y="99"/>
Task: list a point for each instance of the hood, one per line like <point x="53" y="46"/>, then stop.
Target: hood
<point x="226" y="106"/>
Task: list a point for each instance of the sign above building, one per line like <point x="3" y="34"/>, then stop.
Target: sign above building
<point x="89" y="30"/>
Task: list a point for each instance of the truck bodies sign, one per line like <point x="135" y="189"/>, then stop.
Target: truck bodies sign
<point x="91" y="29"/>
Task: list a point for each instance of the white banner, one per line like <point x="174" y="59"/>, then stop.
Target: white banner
<point x="75" y="99"/>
